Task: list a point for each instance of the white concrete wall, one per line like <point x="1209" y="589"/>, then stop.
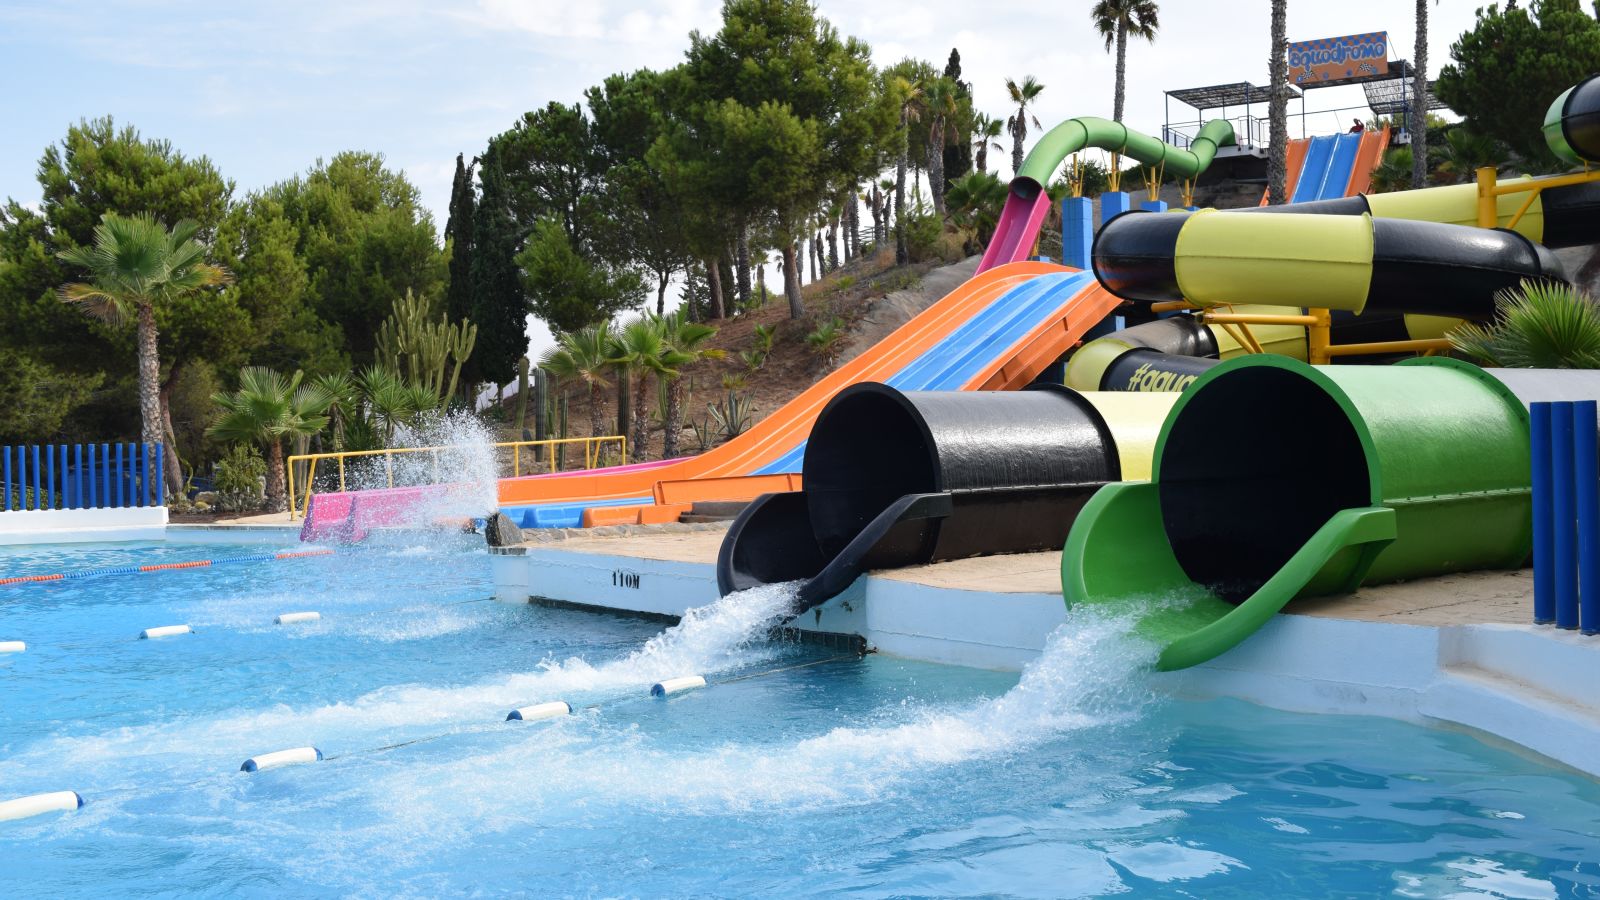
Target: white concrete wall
<point x="62" y="526"/>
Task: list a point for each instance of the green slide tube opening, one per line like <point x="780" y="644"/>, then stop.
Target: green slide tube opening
<point x="1274" y="480"/>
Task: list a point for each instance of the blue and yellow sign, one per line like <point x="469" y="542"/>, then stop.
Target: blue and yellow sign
<point x="1348" y="58"/>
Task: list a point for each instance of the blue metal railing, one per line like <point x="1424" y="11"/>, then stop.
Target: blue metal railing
<point x="1566" y="514"/>
<point x="80" y="476"/>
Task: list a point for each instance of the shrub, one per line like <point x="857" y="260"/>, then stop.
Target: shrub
<point x="827" y="340"/>
<point x="238" y="480"/>
<point x="733" y="415"/>
<point x="1542" y="325"/>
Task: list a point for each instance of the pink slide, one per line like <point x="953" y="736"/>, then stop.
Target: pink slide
<point x="1018" y="226"/>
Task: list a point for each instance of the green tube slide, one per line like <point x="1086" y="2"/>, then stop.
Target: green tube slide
<point x="1274" y="480"/>
<point x="1073" y="135"/>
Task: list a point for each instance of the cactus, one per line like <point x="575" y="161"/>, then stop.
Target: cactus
<point x="522" y="398"/>
<point x="421" y="350"/>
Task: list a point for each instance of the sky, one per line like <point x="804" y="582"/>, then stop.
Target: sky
<point x="266" y="88"/>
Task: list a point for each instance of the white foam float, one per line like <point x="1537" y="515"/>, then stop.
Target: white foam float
<point x="13" y="646"/>
<point x="553" y="709"/>
<point x="676" y="685"/>
<point x="281" y="758"/>
<point x="55" y="801"/>
<point x="161" y="631"/>
<point x="297" y="617"/>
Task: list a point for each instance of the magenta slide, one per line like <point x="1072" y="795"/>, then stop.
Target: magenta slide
<point x="1019" y="224"/>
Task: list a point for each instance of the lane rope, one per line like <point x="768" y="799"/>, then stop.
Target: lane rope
<point x="161" y="567"/>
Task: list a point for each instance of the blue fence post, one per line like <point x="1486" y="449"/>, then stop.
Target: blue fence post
<point x="77" y="476"/>
<point x="160" y="475"/>
<point x="5" y="464"/>
<point x="1544" y="554"/>
<point x="1586" y="470"/>
<point x="1565" y="515"/>
<point x="142" y="486"/>
<point x="94" y="488"/>
<point x="22" y="476"/>
<point x="119" y="470"/>
<point x="105" y="475"/>
<point x="37" y="502"/>
<point x="50" y="476"/>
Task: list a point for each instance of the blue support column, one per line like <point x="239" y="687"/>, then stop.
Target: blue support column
<point x="22" y="477"/>
<point x="160" y="476"/>
<point x="1077" y="231"/>
<point x="50" y="477"/>
<point x="77" y="476"/>
<point x="1565" y="514"/>
<point x="144" y="474"/>
<point x="1154" y="206"/>
<point x="5" y="463"/>
<point x="38" y="502"/>
<point x="94" y="494"/>
<point x="1113" y="204"/>
<point x="105" y="475"/>
<point x="1586" y="469"/>
<point x="120" y="473"/>
<point x="1544" y="554"/>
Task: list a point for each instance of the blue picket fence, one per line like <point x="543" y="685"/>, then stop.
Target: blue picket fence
<point x="80" y="476"/>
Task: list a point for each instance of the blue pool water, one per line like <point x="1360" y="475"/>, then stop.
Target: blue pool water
<point x="817" y="776"/>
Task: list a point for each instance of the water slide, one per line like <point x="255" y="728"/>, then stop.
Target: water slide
<point x="1392" y="266"/>
<point x="1027" y="202"/>
<point x="946" y="475"/>
<point x="1330" y="166"/>
<point x="1334" y="476"/>
<point x="996" y="332"/>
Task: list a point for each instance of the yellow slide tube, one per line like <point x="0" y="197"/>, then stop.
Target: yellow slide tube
<point x="1320" y="261"/>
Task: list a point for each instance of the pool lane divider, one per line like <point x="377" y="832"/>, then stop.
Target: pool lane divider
<point x="552" y="710"/>
<point x="38" y="804"/>
<point x="677" y="685"/>
<point x="278" y="758"/>
<point x="13" y="646"/>
<point x="161" y="631"/>
<point x="161" y="567"/>
<point x="294" y="618"/>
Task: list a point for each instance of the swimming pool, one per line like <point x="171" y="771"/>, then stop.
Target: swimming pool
<point x="818" y="775"/>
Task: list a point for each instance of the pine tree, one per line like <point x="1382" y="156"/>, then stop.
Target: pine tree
<point x="458" y="230"/>
<point x="498" y="304"/>
<point x="958" y="153"/>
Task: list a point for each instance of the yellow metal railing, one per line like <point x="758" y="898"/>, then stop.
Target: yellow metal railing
<point x="594" y="450"/>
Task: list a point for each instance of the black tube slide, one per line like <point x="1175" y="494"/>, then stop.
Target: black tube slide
<point x="1414" y="267"/>
<point x="902" y="478"/>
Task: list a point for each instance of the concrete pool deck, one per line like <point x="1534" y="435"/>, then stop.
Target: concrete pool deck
<point x="1458" y="650"/>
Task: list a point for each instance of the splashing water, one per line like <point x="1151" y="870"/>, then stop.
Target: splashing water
<point x="465" y="467"/>
<point x="1089" y="676"/>
<point x="728" y="633"/>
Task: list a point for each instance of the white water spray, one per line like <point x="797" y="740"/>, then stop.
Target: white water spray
<point x="727" y="633"/>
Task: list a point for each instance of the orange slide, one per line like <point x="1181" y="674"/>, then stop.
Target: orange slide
<point x="723" y="473"/>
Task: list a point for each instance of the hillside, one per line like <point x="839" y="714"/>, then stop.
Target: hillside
<point x="870" y="295"/>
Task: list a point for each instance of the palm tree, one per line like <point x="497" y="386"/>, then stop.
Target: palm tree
<point x="392" y="402"/>
<point x="976" y="200"/>
<point x="266" y="409"/>
<point x="136" y="265"/>
<point x="1116" y="20"/>
<point x="1394" y="172"/>
<point x="640" y="350"/>
<point x="1541" y="325"/>
<point x="1419" y="98"/>
<point x="1466" y="151"/>
<point x="910" y="100"/>
<point x="1022" y="95"/>
<point x="684" y="340"/>
<point x="985" y="134"/>
<point x="942" y="105"/>
<point x="1278" y="106"/>
<point x="585" y="356"/>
